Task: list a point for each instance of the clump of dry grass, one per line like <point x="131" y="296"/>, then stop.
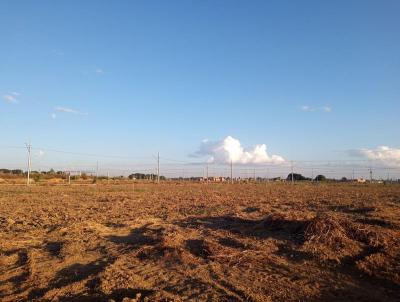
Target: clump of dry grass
<point x="326" y="237"/>
<point x="331" y="230"/>
<point x="326" y="229"/>
<point x="366" y="235"/>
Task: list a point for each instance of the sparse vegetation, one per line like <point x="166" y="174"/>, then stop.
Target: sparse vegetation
<point x="200" y="242"/>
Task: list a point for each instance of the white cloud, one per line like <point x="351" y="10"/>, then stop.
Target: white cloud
<point x="69" y="110"/>
<point x="230" y="149"/>
<point x="53" y="116"/>
<point x="40" y="153"/>
<point x="307" y="108"/>
<point x="383" y="154"/>
<point x="99" y="71"/>
<point x="10" y="98"/>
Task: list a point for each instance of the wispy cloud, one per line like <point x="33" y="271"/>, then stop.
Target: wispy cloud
<point x="383" y="154"/>
<point x="230" y="149"/>
<point x="307" y="108"/>
<point x="99" y="71"/>
<point x="11" y="97"/>
<point x="68" y="110"/>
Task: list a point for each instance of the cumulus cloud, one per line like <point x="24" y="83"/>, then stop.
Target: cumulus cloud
<point x="231" y="150"/>
<point x="385" y="155"/>
<point x="68" y="110"/>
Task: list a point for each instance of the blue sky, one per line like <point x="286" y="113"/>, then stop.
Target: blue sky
<point x="310" y="79"/>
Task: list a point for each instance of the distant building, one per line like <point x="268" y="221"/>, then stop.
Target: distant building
<point x="218" y="179"/>
<point x="213" y="179"/>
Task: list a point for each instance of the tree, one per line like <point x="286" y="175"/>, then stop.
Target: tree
<point x="296" y="177"/>
<point x="320" y="178"/>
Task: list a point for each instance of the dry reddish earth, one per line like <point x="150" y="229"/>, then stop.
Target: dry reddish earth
<point x="200" y="242"/>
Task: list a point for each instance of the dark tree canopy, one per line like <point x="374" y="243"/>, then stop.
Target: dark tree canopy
<point x="296" y="177"/>
<point x="320" y="178"/>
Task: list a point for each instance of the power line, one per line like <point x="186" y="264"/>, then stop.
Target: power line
<point x="92" y="154"/>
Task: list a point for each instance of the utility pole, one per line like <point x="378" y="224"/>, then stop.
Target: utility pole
<point x="231" y="172"/>
<point x="207" y="172"/>
<point x="254" y="175"/>
<point x="69" y="177"/>
<point x="352" y="175"/>
<point x="291" y="163"/>
<point x="29" y="149"/>
<point x="312" y="174"/>
<point x="108" y="177"/>
<point x="158" y="167"/>
<point x="370" y="174"/>
<point x="97" y="169"/>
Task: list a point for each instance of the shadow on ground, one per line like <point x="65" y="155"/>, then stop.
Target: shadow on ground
<point x="270" y="227"/>
<point x="140" y="236"/>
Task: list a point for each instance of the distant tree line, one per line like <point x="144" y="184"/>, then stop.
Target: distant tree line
<point x="15" y="171"/>
<point x="320" y="177"/>
<point x="19" y="172"/>
<point x="299" y="177"/>
<point x="145" y="176"/>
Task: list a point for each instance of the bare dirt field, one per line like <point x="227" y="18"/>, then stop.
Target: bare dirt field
<point x="200" y="242"/>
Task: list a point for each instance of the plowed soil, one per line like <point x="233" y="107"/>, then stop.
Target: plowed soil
<point x="200" y="242"/>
